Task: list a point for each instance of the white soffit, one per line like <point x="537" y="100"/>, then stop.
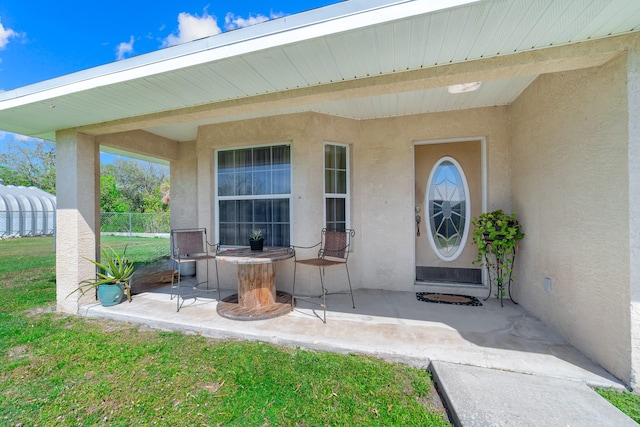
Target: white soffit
<point x="491" y="94"/>
<point x="346" y="41"/>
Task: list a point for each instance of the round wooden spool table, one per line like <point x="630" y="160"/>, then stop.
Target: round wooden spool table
<point x="257" y="298"/>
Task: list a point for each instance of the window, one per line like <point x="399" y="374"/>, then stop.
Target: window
<point x="254" y="193"/>
<point x="449" y="208"/>
<point x="336" y="186"/>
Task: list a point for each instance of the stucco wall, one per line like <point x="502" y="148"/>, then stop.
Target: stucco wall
<point x="570" y="142"/>
<point x="184" y="187"/>
<point x="382" y="182"/>
<point x="385" y="164"/>
<point x="142" y="143"/>
<point x="633" y="73"/>
<point x="306" y="133"/>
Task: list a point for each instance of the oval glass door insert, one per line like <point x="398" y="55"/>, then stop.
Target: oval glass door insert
<point x="448" y="207"/>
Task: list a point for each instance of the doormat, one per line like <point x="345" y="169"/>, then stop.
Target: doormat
<point x="447" y="299"/>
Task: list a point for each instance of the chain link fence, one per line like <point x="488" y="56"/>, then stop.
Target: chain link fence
<point x="117" y="228"/>
<point x="134" y="224"/>
<point x="43" y="223"/>
<point x="144" y="236"/>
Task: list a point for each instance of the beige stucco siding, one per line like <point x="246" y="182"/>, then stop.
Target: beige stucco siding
<point x="77" y="221"/>
<point x="633" y="84"/>
<point x="569" y="148"/>
<point x="141" y="143"/>
<point x="184" y="198"/>
<point x="306" y="133"/>
<point x="382" y="181"/>
<point x="387" y="176"/>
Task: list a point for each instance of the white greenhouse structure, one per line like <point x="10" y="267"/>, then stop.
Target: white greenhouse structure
<point x="26" y="211"/>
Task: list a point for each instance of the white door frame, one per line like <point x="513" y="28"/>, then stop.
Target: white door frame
<point x="483" y="173"/>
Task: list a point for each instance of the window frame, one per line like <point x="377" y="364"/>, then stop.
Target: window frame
<point x="347" y="195"/>
<point x="218" y="198"/>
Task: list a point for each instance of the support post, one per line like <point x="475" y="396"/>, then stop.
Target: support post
<point x="77" y="215"/>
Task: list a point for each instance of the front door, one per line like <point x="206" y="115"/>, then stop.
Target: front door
<point x="448" y="186"/>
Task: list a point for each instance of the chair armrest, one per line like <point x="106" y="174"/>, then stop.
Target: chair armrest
<point x="294" y="247"/>
<point x="305" y="247"/>
<point x="216" y="246"/>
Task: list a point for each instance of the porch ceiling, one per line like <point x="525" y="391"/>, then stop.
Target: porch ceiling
<point x="358" y="40"/>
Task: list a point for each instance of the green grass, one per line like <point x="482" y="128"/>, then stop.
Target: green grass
<point x="139" y="249"/>
<point x="69" y="371"/>
<point x="627" y="402"/>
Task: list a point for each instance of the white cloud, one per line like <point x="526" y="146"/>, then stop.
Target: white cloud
<point x="233" y="22"/>
<point x="8" y="137"/>
<point x="193" y="27"/>
<point x="19" y="137"/>
<point x="5" y="35"/>
<point x="124" y="49"/>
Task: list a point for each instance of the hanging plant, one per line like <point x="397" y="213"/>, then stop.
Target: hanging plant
<point x="497" y="235"/>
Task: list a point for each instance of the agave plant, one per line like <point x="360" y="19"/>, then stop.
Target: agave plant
<point x="116" y="270"/>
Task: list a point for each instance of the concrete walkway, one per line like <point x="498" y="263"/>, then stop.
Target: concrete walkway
<point x="494" y="366"/>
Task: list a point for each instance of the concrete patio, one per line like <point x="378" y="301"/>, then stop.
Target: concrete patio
<point x="489" y="362"/>
<point x="393" y="326"/>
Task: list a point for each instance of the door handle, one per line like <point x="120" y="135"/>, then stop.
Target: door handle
<point x="418" y="219"/>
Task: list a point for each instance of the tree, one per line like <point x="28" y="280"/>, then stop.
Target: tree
<point x="30" y="163"/>
<point x="125" y="185"/>
<point x="110" y="198"/>
<point x="141" y="185"/>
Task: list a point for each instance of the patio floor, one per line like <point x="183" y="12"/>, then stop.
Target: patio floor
<point x="394" y="326"/>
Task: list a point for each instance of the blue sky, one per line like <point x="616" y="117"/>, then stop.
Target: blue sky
<point x="41" y="40"/>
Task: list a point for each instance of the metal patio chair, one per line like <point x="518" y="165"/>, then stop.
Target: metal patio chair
<point x="334" y="248"/>
<point x="190" y="245"/>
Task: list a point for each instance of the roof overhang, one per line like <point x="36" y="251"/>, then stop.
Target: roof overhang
<point x="360" y="58"/>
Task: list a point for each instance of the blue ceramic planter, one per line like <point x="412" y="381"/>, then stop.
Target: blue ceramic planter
<point x="109" y="295"/>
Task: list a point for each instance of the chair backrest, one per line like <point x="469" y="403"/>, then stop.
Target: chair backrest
<point x="336" y="244"/>
<point x="189" y="241"/>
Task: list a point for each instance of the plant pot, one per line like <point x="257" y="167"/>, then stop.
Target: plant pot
<point x="187" y="269"/>
<point x="109" y="295"/>
<point x="256" y="245"/>
<point x="486" y="238"/>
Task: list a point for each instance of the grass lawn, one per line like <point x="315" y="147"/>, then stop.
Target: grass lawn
<point x="627" y="402"/>
<point x="138" y="249"/>
<point x="70" y="371"/>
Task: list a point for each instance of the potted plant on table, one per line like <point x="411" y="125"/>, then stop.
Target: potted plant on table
<point x="113" y="278"/>
<point x="497" y="235"/>
<point x="256" y="240"/>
